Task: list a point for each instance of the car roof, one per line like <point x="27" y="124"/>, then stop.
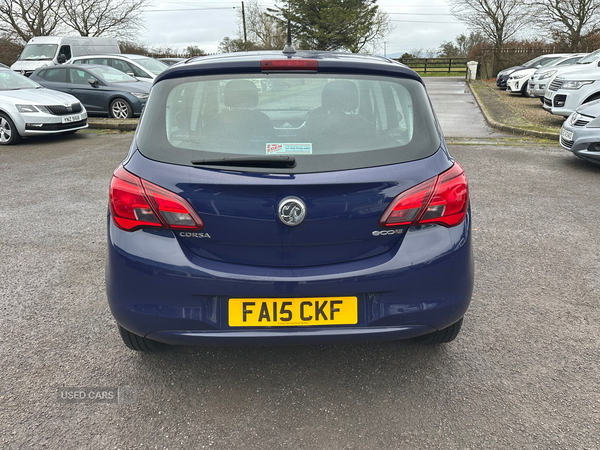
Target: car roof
<point x="132" y="56"/>
<point x="79" y="66"/>
<point x="76" y="66"/>
<point x="110" y="55"/>
<point x="249" y="62"/>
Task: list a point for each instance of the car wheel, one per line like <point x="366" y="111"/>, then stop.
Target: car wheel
<point x="443" y="336"/>
<point x="139" y="343"/>
<point x="8" y="132"/>
<point x="524" y="89"/>
<point x="120" y="109"/>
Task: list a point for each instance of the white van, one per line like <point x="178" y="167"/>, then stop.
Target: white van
<point x="43" y="51"/>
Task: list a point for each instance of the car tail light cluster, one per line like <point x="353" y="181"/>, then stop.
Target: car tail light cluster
<point x="441" y="200"/>
<point x="136" y="203"/>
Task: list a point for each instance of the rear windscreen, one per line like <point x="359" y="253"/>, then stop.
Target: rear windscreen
<point x="326" y="122"/>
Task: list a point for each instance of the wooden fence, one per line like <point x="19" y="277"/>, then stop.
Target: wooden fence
<point x="436" y="65"/>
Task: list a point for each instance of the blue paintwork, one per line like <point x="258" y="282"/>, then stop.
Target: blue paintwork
<point x="175" y="289"/>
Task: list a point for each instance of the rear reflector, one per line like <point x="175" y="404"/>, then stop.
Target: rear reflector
<point x="136" y="203"/>
<point x="273" y="65"/>
<point x="441" y="200"/>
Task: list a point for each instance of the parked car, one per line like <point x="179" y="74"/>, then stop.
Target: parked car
<point x="141" y="67"/>
<point x="518" y="80"/>
<point x="574" y="86"/>
<point x="540" y="79"/>
<point x="102" y="90"/>
<point x="328" y="211"/>
<point x="171" y="61"/>
<point x="502" y="77"/>
<point x="43" y="51"/>
<point x="4" y="66"/>
<point x="580" y="133"/>
<point x="27" y="109"/>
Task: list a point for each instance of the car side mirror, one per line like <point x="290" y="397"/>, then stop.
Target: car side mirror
<point x="93" y="83"/>
<point x="131" y="74"/>
<point x="538" y="66"/>
<point x="61" y="59"/>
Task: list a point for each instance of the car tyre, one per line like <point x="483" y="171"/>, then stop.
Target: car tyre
<point x="8" y="131"/>
<point x="120" y="109"/>
<point x="139" y="343"/>
<point x="443" y="336"/>
<point x="524" y="90"/>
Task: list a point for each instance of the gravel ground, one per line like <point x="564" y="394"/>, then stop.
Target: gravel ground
<point x="529" y="108"/>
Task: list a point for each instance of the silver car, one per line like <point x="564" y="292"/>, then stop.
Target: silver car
<point x="540" y="79"/>
<point x="580" y="133"/>
<point x="28" y="109"/>
<point x="141" y="67"/>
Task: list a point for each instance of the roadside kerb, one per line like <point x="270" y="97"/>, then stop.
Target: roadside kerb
<point x="509" y="128"/>
<point x="112" y="124"/>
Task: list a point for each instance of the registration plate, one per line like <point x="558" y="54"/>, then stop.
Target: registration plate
<point x="566" y="135"/>
<point x="70" y="119"/>
<point x="288" y="312"/>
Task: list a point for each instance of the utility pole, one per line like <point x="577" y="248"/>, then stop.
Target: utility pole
<point x="244" y="22"/>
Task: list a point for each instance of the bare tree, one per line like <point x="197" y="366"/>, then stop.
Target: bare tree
<point x="497" y="20"/>
<point x="262" y="29"/>
<point x="417" y="52"/>
<point x="569" y="21"/>
<point x="431" y="53"/>
<point x="117" y="18"/>
<point x="372" y="34"/>
<point x="23" y="19"/>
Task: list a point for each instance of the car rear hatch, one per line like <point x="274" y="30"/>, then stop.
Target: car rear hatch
<point x="243" y="223"/>
<point x="358" y="136"/>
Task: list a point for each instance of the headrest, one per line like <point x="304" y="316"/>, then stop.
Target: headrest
<point x="240" y="94"/>
<point x="340" y="94"/>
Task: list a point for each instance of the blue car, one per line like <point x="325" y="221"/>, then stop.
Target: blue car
<point x="329" y="210"/>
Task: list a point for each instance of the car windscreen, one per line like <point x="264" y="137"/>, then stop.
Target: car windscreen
<point x="10" y="81"/>
<point x="326" y="122"/>
<point x="533" y="62"/>
<point x="152" y="65"/>
<point x="545" y="62"/>
<point x="592" y="57"/>
<point x="112" y="75"/>
<point x="38" y="52"/>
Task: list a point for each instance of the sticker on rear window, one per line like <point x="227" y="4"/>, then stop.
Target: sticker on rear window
<point x="289" y="149"/>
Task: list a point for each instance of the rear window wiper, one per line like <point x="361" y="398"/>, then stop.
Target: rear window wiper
<point x="275" y="162"/>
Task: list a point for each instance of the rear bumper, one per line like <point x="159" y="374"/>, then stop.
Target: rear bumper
<point x="157" y="289"/>
<point x="279" y="337"/>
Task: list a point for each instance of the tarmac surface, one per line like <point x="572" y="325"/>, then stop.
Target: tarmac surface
<point x="522" y="374"/>
<point x="455" y="106"/>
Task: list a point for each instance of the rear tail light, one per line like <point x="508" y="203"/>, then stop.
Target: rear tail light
<point x="136" y="203"/>
<point x="441" y="200"/>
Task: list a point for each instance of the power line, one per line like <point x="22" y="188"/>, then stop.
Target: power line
<point x="419" y="14"/>
<point x="188" y="9"/>
<point x="421" y="21"/>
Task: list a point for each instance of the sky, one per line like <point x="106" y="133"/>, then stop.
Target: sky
<point x="204" y="23"/>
